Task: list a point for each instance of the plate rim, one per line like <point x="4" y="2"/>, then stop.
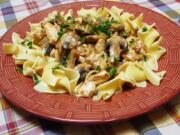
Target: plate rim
<point x="88" y="121"/>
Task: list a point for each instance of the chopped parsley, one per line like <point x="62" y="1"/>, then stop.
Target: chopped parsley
<point x="69" y="56"/>
<point x="63" y="28"/>
<point x="144" y="29"/>
<point x="60" y="34"/>
<point x="103" y="27"/>
<point x="123" y="34"/>
<point x="56" y="67"/>
<point x="53" y="69"/>
<point x="98" y="67"/>
<point x="27" y="42"/>
<point x="145" y="58"/>
<point x="70" y="18"/>
<point x="131" y="41"/>
<point x="102" y="56"/>
<point x="20" y="69"/>
<point x="112" y="71"/>
<point x="64" y="63"/>
<point x="36" y="79"/>
<point x="82" y="38"/>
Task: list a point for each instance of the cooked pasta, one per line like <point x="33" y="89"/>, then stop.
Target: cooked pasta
<point x="94" y="54"/>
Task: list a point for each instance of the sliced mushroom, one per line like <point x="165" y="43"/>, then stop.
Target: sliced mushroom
<point x="63" y="56"/>
<point x="70" y="40"/>
<point x="83" y="69"/>
<point x="48" y="49"/>
<point x="83" y="74"/>
<point x="117" y="46"/>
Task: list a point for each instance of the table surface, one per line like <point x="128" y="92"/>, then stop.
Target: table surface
<point x="162" y="121"/>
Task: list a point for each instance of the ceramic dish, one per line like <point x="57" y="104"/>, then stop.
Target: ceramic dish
<point x="18" y="89"/>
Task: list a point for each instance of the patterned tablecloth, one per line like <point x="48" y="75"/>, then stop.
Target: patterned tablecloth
<point x="164" y="120"/>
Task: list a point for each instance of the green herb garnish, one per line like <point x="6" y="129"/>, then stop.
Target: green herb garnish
<point x="123" y="34"/>
<point x="103" y="27"/>
<point x="144" y="29"/>
<point x="68" y="56"/>
<point x="53" y="69"/>
<point x="20" y="69"/>
<point x="70" y="18"/>
<point x="112" y="71"/>
<point x="64" y="63"/>
<point x="36" y="79"/>
<point x="131" y="41"/>
<point x="27" y="42"/>
<point x="102" y="56"/>
<point x="98" y="67"/>
<point x="56" y="67"/>
<point x="60" y="34"/>
<point x="63" y="26"/>
<point x="145" y="58"/>
<point x="63" y="29"/>
<point x="82" y="38"/>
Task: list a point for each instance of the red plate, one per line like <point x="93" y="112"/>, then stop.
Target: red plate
<point x="63" y="107"/>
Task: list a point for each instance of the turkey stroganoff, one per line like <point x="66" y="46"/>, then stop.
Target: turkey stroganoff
<point x="93" y="54"/>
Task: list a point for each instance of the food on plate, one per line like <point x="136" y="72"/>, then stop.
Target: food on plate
<point x="93" y="54"/>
